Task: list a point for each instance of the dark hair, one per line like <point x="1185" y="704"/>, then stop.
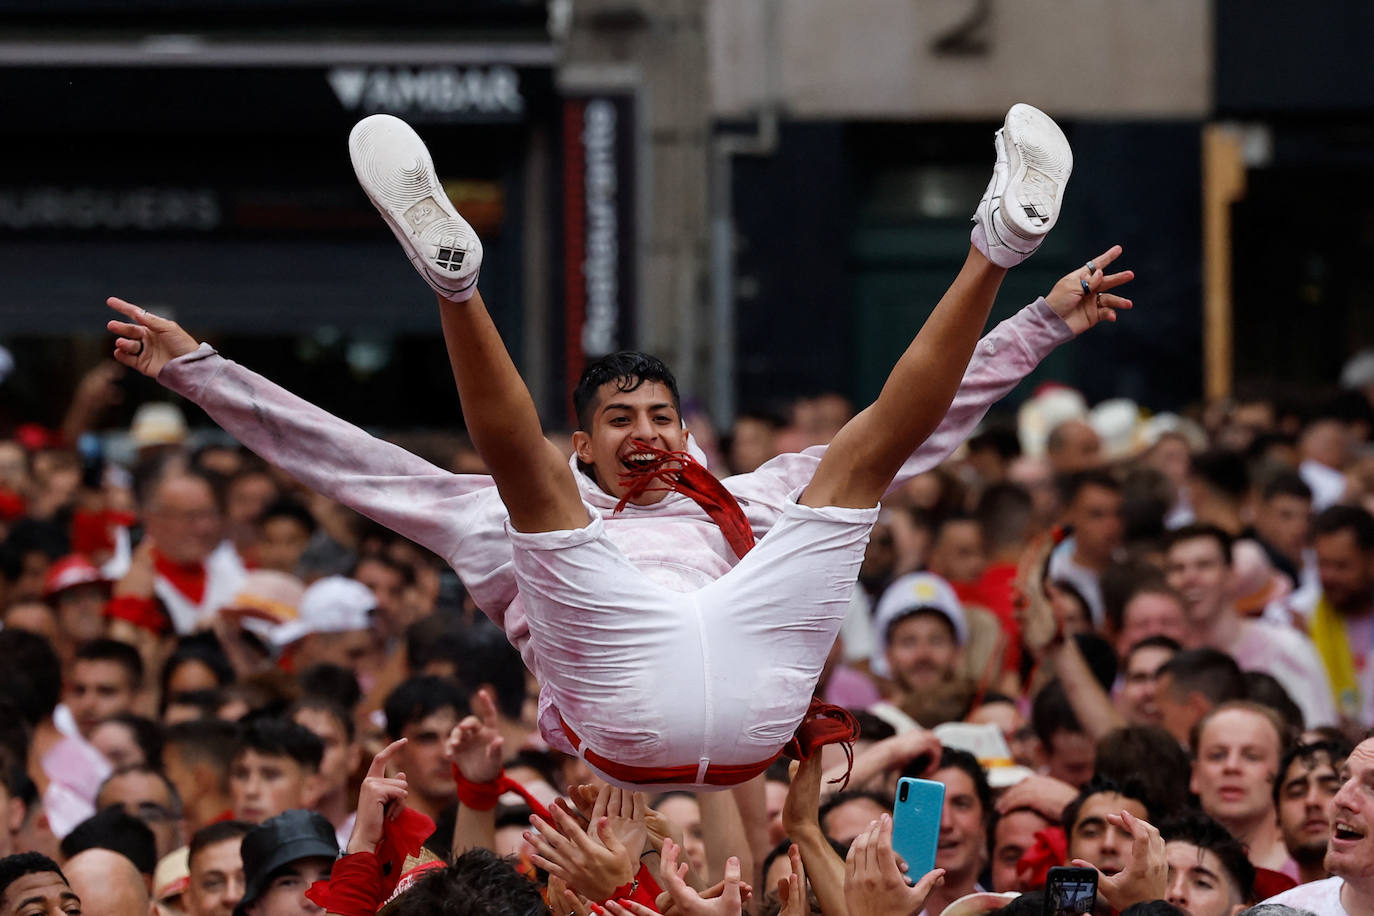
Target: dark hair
<point x="1210" y="672"/>
<point x="1101" y="785"/>
<point x="1004" y="511"/>
<point x="1051" y="713"/>
<point x="1339" y="518"/>
<point x="148" y="735"/>
<point x="1070" y="485"/>
<point x="1201" y="831"/>
<point x="214" y="833"/>
<point x="273" y="737"/>
<point x="480" y="653"/>
<point x="1335" y="751"/>
<point x="627" y="370"/>
<point x="418" y="697"/>
<point x="1288" y="483"/>
<point x="1224" y="471"/>
<point x="953" y="758"/>
<point x="997" y="437"/>
<point x="333" y="682"/>
<point x="874" y="728"/>
<point x="29" y="535"/>
<point x="327" y="706"/>
<point x="112" y="650"/>
<point x="1200" y="530"/>
<point x="203" y="648"/>
<point x="207" y="741"/>
<point x="401" y="569"/>
<point x="1148" y="757"/>
<point x="116" y="830"/>
<point x="286" y="507"/>
<point x="1265" y="689"/>
<point x="14" y="867"/>
<point x="30" y="674"/>
<point x="478" y="883"/>
<point x="881" y="799"/>
<point x="780" y="851"/>
<point x="1120" y="582"/>
<point x="142" y="769"/>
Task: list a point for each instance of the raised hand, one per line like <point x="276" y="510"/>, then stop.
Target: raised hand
<point x="1045" y="795"/>
<point x="147" y="342"/>
<point x="1081" y="297"/>
<point x="1145" y="876"/>
<point x="475" y="743"/>
<point x="623" y="813"/>
<point x="595" y="868"/>
<point x="873" y="881"/>
<point x="792" y="889"/>
<point x="380" y="797"/>
<point x="686" y="901"/>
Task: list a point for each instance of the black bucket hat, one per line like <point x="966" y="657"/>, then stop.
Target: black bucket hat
<point x="279" y="841"/>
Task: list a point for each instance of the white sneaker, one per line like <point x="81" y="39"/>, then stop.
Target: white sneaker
<point x="396" y="172"/>
<point x="1022" y="201"/>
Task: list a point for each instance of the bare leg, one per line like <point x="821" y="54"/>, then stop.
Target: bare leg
<point x="867" y="453"/>
<point x="532" y="476"/>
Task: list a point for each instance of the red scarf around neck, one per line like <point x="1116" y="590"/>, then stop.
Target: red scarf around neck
<point x="680" y="472"/>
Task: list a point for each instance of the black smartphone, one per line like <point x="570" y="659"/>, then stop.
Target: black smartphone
<point x="1070" y="891"/>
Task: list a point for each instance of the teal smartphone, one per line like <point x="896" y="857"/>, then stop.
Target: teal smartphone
<point x="916" y="823"/>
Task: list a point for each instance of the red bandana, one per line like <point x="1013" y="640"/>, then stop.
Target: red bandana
<point x="680" y="472"/>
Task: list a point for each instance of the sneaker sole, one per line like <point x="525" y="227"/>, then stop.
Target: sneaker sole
<point x="397" y="174"/>
<point x="1040" y="162"/>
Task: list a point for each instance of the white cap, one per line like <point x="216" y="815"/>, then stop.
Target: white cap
<point x="1117" y="423"/>
<point x="334" y="604"/>
<point x="1037" y="416"/>
<point x="915" y="591"/>
<point x="989" y="745"/>
<point x="157" y="423"/>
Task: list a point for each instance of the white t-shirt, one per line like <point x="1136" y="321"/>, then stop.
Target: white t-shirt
<point x="1320" y="897"/>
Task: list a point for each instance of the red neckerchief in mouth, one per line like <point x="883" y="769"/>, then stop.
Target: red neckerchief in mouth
<point x="679" y="472"/>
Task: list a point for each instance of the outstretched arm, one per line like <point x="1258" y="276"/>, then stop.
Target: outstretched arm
<point x="382" y="481"/>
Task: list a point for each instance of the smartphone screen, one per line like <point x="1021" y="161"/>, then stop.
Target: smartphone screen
<point x="916" y="823"/>
<point x="1070" y="891"/>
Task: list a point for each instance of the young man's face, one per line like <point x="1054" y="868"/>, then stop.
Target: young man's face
<point x="1014" y="834"/>
<point x="1138" y="693"/>
<point x="265" y="785"/>
<point x="1151" y="614"/>
<point x="1096" y="517"/>
<point x="97" y="690"/>
<point x="1197" y="569"/>
<point x="1282" y="521"/>
<point x="216" y="881"/>
<point x="962" y="845"/>
<point x="146" y="797"/>
<point x="619" y="420"/>
<point x="340" y="754"/>
<point x="285" y="893"/>
<point x="1346" y="571"/>
<point x="422" y="758"/>
<point x="1237" y="762"/>
<point x="1305" y="793"/>
<point x="1199" y="884"/>
<point x="42" y="893"/>
<point x="921" y="650"/>
<point x="1095" y="839"/>
<point x="1350" y="852"/>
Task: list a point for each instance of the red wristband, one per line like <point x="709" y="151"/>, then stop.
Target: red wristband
<point x="643" y="889"/>
<point x="479" y="796"/>
<point x="141" y="612"/>
<point x="354" y="887"/>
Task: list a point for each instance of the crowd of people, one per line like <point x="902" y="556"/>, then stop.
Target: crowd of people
<point x="1134" y="645"/>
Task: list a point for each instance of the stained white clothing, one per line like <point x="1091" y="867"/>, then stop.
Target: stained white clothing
<point x="1320" y="897"/>
<point x="672" y="544"/>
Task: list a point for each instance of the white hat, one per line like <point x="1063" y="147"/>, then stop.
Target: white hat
<point x="157" y="423"/>
<point x="1358" y="371"/>
<point x="989" y="745"/>
<point x="1117" y="423"/>
<point x="915" y="592"/>
<point x="1051" y="406"/>
<point x="1163" y="424"/>
<point x="334" y="604"/>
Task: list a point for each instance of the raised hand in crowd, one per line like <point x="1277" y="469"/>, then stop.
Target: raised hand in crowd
<point x="601" y="858"/>
<point x="1146" y="874"/>
<point x="380" y="798"/>
<point x="792" y="889"/>
<point x="885" y="758"/>
<point x="682" y="900"/>
<point x="1044" y="795"/>
<point x="474" y="746"/>
<point x="1082" y="299"/>
<point x="801" y="822"/>
<point x="147" y="342"/>
<point x="874" y="884"/>
<point x="560" y="895"/>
